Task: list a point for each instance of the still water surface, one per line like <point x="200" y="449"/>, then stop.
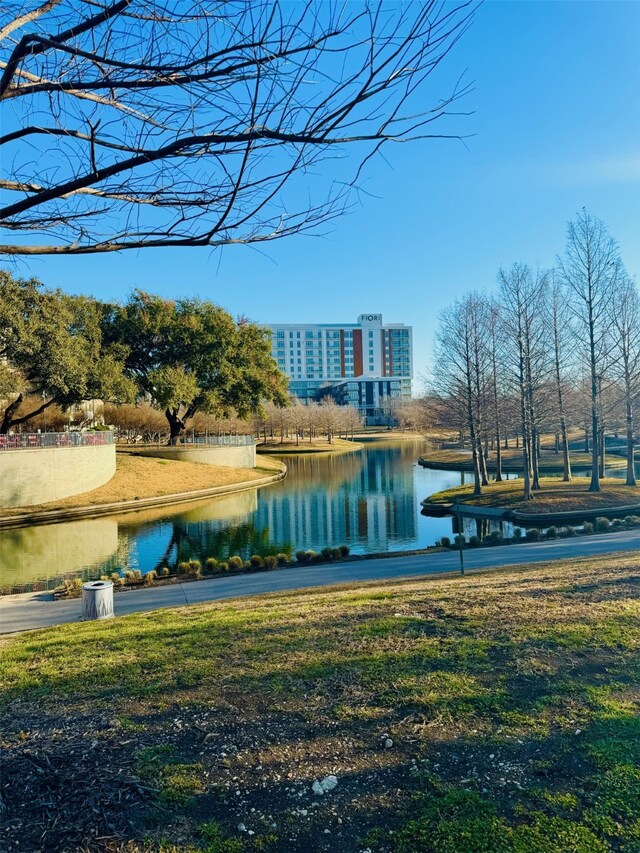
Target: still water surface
<point x="367" y="499"/>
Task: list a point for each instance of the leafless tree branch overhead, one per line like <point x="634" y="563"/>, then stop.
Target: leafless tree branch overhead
<point x="147" y="123"/>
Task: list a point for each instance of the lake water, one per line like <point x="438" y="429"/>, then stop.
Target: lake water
<point x="367" y="499"/>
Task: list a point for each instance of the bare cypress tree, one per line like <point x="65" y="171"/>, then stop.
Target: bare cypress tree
<point x="496" y="354"/>
<point x="590" y="270"/>
<point x="522" y="299"/>
<point x="559" y="321"/>
<point x="625" y="317"/>
<point x="460" y="372"/>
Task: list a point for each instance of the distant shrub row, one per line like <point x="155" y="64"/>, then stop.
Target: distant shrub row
<point x="535" y="534"/>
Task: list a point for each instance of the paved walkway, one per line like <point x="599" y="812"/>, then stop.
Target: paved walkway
<point x="38" y="610"/>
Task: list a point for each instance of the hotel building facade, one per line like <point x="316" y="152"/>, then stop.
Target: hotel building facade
<point x="368" y="364"/>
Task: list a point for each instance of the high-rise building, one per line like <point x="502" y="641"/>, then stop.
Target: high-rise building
<point x="366" y="364"/>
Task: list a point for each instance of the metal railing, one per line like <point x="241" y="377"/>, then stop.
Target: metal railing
<point x="45" y="440"/>
<point x="208" y="439"/>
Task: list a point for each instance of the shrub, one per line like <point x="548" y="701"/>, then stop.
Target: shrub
<point x="311" y="556"/>
<point x="474" y="541"/>
<point x="255" y="561"/>
<point x="602" y="524"/>
<point x="247" y="564"/>
<point x="587" y="527"/>
<point x="270" y="562"/>
<point x="301" y="556"/>
<point x="195" y="566"/>
<point x="211" y="564"/>
<point x="105" y="578"/>
<point x="137" y="574"/>
<point x="183" y="568"/>
<point x="150" y="578"/>
<point x="282" y="559"/>
<point x="115" y="577"/>
<point x="631" y="520"/>
<point x="570" y="531"/>
<point x="326" y="553"/>
<point x="494" y="536"/>
<point x="445" y="542"/>
<point x="532" y="534"/>
<point x="617" y="523"/>
<point x="335" y="554"/>
<point x="128" y="575"/>
<point x="460" y="539"/>
<point x="344" y="551"/>
<point x="236" y="562"/>
<point x="223" y="567"/>
<point x="517" y="533"/>
<point x="165" y="571"/>
<point x="552" y="532"/>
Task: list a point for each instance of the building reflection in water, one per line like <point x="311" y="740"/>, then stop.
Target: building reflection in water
<point x="366" y="500"/>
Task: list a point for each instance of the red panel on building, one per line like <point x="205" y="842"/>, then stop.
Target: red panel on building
<point x="357" y="352"/>
<point x="343" y="371"/>
<point x="383" y="350"/>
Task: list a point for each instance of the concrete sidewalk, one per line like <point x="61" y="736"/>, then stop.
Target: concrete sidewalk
<point x="38" y="610"/>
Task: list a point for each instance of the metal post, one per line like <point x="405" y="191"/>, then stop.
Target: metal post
<point x="460" y="542"/>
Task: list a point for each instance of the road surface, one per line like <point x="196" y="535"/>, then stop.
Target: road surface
<point x="38" y="610"/>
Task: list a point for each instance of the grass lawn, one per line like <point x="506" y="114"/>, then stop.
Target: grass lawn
<point x="495" y="713"/>
<point x="146" y="477"/>
<point x="555" y="496"/>
<point x="512" y="459"/>
<point x="318" y="445"/>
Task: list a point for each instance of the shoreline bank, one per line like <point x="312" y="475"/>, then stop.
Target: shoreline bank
<point x="56" y="514"/>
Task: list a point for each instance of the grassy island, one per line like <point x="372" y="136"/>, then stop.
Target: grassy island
<point x="554" y="497"/>
<point x="550" y="461"/>
<point x="502" y="707"/>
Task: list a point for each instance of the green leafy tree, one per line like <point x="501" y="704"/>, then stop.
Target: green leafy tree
<point x="51" y="347"/>
<point x="190" y="356"/>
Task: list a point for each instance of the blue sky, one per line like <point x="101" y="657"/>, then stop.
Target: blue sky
<point x="555" y="126"/>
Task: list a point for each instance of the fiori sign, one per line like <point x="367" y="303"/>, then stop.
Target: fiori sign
<point x="370" y="318"/>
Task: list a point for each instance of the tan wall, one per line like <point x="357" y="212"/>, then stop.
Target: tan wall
<point x="32" y="477"/>
<point x="231" y="457"/>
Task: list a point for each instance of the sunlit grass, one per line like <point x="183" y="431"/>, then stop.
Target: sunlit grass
<point x="536" y="667"/>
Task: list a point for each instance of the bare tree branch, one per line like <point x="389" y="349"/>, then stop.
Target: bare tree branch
<point x="198" y="124"/>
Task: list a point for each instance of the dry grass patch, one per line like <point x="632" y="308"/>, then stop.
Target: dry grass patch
<point x="550" y="461"/>
<point x="140" y="477"/>
<point x="274" y="445"/>
<point x="554" y="496"/>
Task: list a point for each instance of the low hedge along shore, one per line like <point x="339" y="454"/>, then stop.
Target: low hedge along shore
<point x="195" y="570"/>
<point x="535" y="534"/>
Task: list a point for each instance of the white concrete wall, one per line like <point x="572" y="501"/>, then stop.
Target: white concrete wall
<point x="231" y="457"/>
<point x="31" y="477"/>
